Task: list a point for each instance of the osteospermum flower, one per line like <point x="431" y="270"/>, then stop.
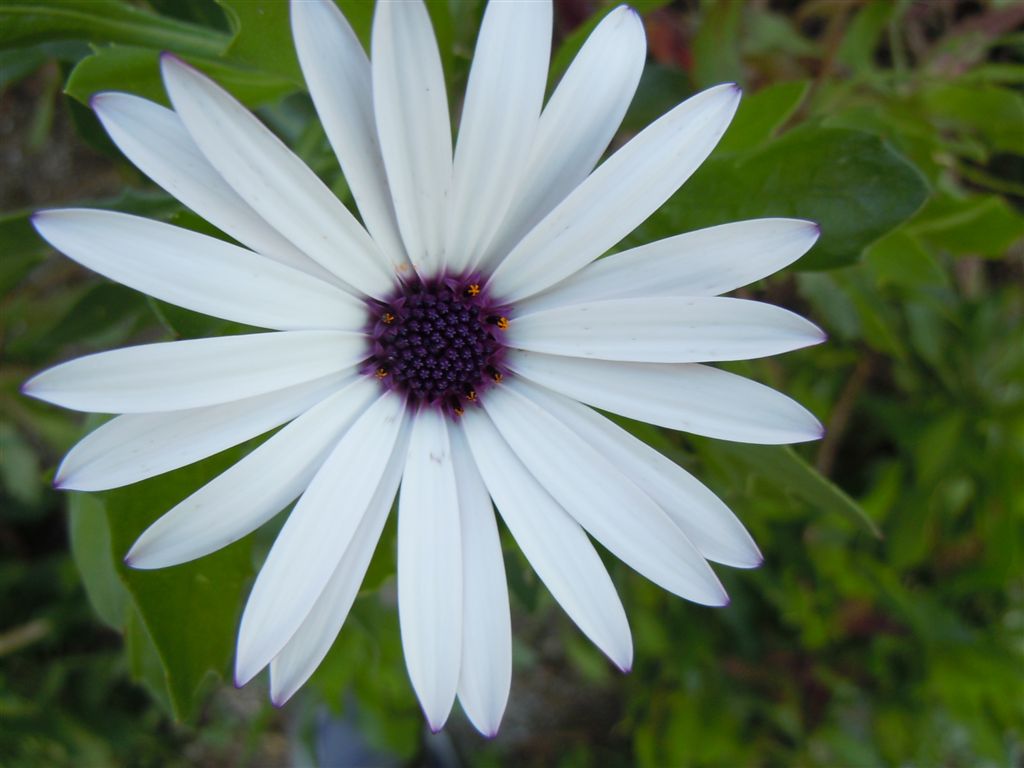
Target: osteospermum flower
<point x="445" y="349"/>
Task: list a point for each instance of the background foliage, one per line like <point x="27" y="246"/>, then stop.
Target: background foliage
<point x="886" y="625"/>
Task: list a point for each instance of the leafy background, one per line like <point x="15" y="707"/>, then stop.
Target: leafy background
<point x="887" y="624"/>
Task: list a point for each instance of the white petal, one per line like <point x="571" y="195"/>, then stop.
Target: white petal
<point x="271" y="179"/>
<point x="299" y="659"/>
<point x="612" y="508"/>
<point x="552" y="541"/>
<point x="155" y="140"/>
<point x="413" y="126"/>
<point x="578" y="123"/>
<point x="430" y="567"/>
<point x="486" y="672"/>
<point x="337" y="72"/>
<point x="499" y="119"/>
<point x="707" y="262"/>
<point x="176" y="375"/>
<point x="133" y="447"/>
<point x="618" y="196"/>
<point x="668" y="330"/>
<point x="315" y="536"/>
<point x="198" y="272"/>
<point x="701" y="515"/>
<point x="691" y="398"/>
<point x="255" y="489"/>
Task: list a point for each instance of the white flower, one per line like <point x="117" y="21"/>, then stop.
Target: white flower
<point x="445" y="345"/>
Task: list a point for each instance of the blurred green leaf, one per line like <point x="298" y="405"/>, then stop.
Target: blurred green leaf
<point x="783" y="468"/>
<point x="994" y="113"/>
<point x="137" y="70"/>
<point x="761" y="115"/>
<point x="103" y="21"/>
<point x="262" y="36"/>
<point x="89" y="532"/>
<point x="716" y="55"/>
<point x="981" y="225"/>
<point x="190" y="611"/>
<point x="855" y="186"/>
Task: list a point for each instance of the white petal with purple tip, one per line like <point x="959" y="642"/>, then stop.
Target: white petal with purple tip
<point x="412" y="123"/>
<point x="688" y="397"/>
<point x="430" y="567"/>
<point x="499" y="119"/>
<point x="337" y="72"/>
<point x="274" y="181"/>
<point x="612" y="508"/>
<point x="668" y="330"/>
<point x="485" y="675"/>
<point x="623" y="191"/>
<point x="198" y="272"/>
<point x="303" y="653"/>
<point x="178" y="375"/>
<point x="155" y="140"/>
<point x="577" y="124"/>
<point x="707" y="262"/>
<point x="315" y="536"/>
<point x="706" y="521"/>
<point x="136" y="446"/>
<point x="255" y="489"/>
<point x="552" y="541"/>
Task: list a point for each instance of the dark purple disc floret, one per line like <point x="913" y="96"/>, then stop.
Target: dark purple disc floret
<point x="438" y="341"/>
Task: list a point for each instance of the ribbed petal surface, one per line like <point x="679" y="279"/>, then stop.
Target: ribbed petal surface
<point x="136" y="446"/>
<point x="430" y="567"/>
<point x="155" y="140"/>
<point x="303" y="653"/>
<point x="707" y="262"/>
<point x="668" y="330"/>
<point x="552" y="541"/>
<point x="623" y="191"/>
<point x="198" y="272"/>
<point x="337" y="72"/>
<point x="706" y="521"/>
<point x="687" y="397"/>
<point x="499" y="120"/>
<point x="413" y="125"/>
<point x="255" y="489"/>
<point x="485" y="675"/>
<point x="178" y="375"/>
<point x="274" y="181"/>
<point x="577" y="124"/>
<point x="612" y="508"/>
<point x="315" y="536"/>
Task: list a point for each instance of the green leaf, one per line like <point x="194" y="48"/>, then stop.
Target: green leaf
<point x="262" y="36"/>
<point x="23" y="249"/>
<point x="900" y="259"/>
<point x="854" y="185"/>
<point x="89" y="532"/>
<point x="103" y="21"/>
<point x="137" y="70"/>
<point x="716" y="55"/>
<point x="990" y="112"/>
<point x="190" y="611"/>
<point x="762" y="114"/>
<point x="783" y="468"/>
<point x="982" y="225"/>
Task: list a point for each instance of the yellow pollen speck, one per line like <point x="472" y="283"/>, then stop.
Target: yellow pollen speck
<point x="459" y="410"/>
<point x="387" y="318"/>
<point x="473" y="290"/>
<point x="497" y="377"/>
<point x="381" y="373"/>
<point x="503" y="323"/>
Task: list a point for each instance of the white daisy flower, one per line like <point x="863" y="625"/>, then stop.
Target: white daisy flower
<point x="447" y="348"/>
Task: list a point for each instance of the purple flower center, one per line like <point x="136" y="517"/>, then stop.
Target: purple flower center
<point x="438" y="342"/>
